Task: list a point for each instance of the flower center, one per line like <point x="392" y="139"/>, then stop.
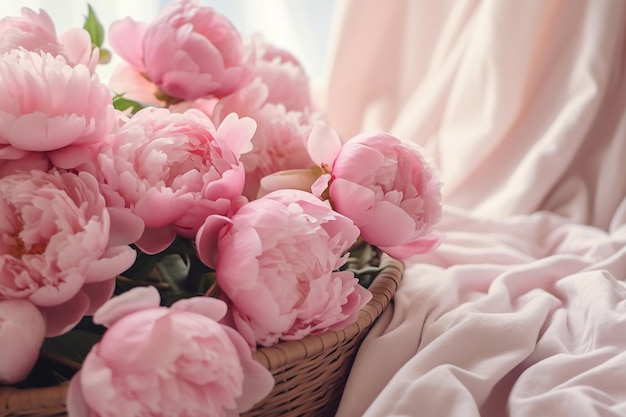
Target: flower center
<point x="19" y="247"/>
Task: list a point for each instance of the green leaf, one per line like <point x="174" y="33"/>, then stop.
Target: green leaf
<point x="94" y="27"/>
<point x="174" y="270"/>
<point x="122" y="104"/>
<point x="206" y="281"/>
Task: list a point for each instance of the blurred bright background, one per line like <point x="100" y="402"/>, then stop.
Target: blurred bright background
<point x="300" y="26"/>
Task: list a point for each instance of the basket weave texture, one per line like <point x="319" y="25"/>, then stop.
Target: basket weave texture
<point x="310" y="373"/>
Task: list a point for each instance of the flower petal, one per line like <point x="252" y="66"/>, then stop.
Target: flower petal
<point x="258" y="381"/>
<point x="96" y="383"/>
<point x="126" y="228"/>
<point x="207" y="238"/>
<point x="133" y="300"/>
<point x="77" y="48"/>
<point x="171" y="206"/>
<point x="210" y="307"/>
<point x="295" y="179"/>
<point x="98" y="294"/>
<point x="112" y="261"/>
<point x="388" y="224"/>
<point x="354" y="201"/>
<point x="237" y="133"/>
<point x="22" y="332"/>
<point x="323" y="145"/>
<point x="63" y="291"/>
<point x="62" y="318"/>
<point x="126" y="38"/>
<point x="357" y="161"/>
<point x="418" y="246"/>
<point x="40" y="132"/>
<point x="156" y="240"/>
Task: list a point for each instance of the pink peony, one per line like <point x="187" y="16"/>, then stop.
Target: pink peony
<point x="189" y="51"/>
<point x="35" y="32"/>
<point x="173" y="170"/>
<point x="279" y="142"/>
<point x="22" y="332"/>
<point x="46" y="104"/>
<point x="277" y="260"/>
<point x="60" y="247"/>
<point x="287" y="82"/>
<point x="155" y="361"/>
<point x="384" y="185"/>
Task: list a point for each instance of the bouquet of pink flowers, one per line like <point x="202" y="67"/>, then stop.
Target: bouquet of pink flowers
<point x="202" y="164"/>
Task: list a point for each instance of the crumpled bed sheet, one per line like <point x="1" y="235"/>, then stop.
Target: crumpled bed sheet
<point x="522" y="107"/>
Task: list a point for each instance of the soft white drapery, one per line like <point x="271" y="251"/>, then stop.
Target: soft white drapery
<point x="522" y="106"/>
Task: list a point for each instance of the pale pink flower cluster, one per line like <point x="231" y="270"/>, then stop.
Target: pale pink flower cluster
<point x="286" y="80"/>
<point x="270" y="84"/>
<point x="279" y="142"/>
<point x="277" y="259"/>
<point x="167" y="362"/>
<point x="60" y="250"/>
<point x="204" y="52"/>
<point x="61" y="246"/>
<point x="48" y="104"/>
<point x="228" y="154"/>
<point x="178" y="162"/>
<point x="36" y="32"/>
<point x="384" y="185"/>
<point x="279" y="99"/>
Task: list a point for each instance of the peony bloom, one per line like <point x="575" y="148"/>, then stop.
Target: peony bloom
<point x="46" y="104"/>
<point x="173" y="170"/>
<point x="188" y="52"/>
<point x="277" y="260"/>
<point x="166" y="362"/>
<point x="384" y="185"/>
<point x="60" y="247"/>
<point x="22" y="332"/>
<point x="279" y="142"/>
<point x="35" y="32"/>
<point x="287" y="82"/>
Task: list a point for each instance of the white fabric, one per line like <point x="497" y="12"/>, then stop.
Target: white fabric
<point x="522" y="106"/>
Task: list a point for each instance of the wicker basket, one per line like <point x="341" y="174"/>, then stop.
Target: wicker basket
<point x="310" y="374"/>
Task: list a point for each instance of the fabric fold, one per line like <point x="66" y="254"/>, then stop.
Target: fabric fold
<point x="522" y="106"/>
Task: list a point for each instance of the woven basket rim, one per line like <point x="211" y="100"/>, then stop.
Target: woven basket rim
<point x="50" y="401"/>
